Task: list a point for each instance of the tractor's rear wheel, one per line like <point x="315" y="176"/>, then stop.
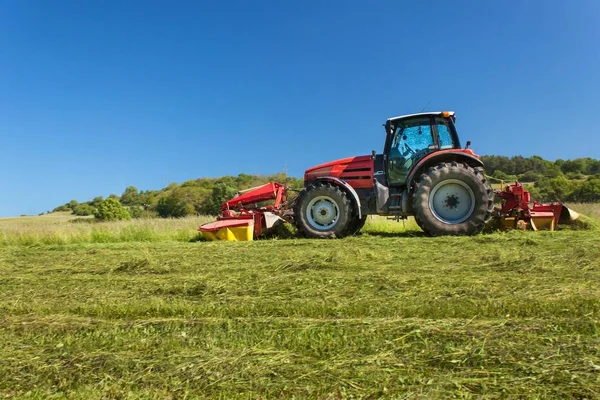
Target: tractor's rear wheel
<point x="452" y="199"/>
<point x="323" y="211"/>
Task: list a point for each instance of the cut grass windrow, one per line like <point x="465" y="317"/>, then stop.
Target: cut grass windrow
<point x="389" y="314"/>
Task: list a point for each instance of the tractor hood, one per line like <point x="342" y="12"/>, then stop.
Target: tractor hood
<point x="357" y="171"/>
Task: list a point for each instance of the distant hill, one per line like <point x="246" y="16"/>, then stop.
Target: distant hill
<point x="196" y="196"/>
<point x="575" y="180"/>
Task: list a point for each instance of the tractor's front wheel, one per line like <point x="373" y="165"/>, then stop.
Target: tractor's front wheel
<point x="322" y="211"/>
<point x="452" y="199"/>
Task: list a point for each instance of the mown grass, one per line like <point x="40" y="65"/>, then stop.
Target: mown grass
<point x="389" y="314"/>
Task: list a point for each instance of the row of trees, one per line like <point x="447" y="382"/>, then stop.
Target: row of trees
<point x="532" y="169"/>
<point x="199" y="196"/>
<point x="575" y="180"/>
<point x="569" y="190"/>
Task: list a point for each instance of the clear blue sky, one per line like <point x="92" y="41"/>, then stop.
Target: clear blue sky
<point x="99" y="95"/>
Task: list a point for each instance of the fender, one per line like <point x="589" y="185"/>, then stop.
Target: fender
<point x="467" y="156"/>
<point x="346" y="186"/>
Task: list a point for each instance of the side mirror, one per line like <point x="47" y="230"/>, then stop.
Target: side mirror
<point x="468" y="144"/>
<point x="373" y="155"/>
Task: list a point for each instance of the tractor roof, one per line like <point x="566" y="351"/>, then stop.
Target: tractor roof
<point x="444" y="113"/>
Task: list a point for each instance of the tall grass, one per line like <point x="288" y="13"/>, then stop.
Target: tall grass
<point x="590" y="210"/>
<point x="57" y="231"/>
<point x="64" y="228"/>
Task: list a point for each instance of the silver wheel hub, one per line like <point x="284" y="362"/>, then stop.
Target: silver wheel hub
<point x="322" y="213"/>
<point x="452" y="201"/>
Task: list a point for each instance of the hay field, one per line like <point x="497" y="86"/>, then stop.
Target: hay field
<point x="142" y="310"/>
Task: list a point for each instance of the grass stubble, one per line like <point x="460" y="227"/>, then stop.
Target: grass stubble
<point x="144" y="311"/>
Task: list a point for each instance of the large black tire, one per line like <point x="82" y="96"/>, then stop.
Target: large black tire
<point x="452" y="199"/>
<point x="356" y="224"/>
<point x="323" y="211"/>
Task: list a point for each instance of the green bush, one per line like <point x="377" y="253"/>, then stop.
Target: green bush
<point x="137" y="211"/>
<point x="555" y="189"/>
<point x="111" y="210"/>
<point x="97" y="201"/>
<point x="84" y="209"/>
<point x="130" y="196"/>
<point x="221" y="193"/>
<point x="575" y="175"/>
<point x="587" y="192"/>
<point x="505" y="177"/>
<point x="529" y="176"/>
<point x="172" y="206"/>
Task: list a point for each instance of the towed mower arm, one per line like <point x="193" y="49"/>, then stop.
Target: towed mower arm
<point x="242" y="218"/>
<point x="269" y="191"/>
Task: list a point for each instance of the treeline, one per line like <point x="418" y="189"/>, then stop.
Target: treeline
<point x="531" y="169"/>
<point x="199" y="196"/>
<point x="575" y="180"/>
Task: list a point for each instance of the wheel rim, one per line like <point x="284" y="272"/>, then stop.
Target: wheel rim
<point x="322" y="213"/>
<point x="452" y="201"/>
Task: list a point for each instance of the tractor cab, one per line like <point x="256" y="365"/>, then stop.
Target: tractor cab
<point x="410" y="138"/>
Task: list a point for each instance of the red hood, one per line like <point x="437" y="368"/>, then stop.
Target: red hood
<point x="357" y="171"/>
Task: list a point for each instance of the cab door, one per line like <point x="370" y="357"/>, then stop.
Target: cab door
<point x="412" y="139"/>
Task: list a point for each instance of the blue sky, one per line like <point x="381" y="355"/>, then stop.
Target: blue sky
<point x="99" y="95"/>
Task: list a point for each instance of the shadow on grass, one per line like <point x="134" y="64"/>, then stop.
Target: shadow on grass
<point x="291" y="233"/>
<point x="402" y="234"/>
<point x="197" y="238"/>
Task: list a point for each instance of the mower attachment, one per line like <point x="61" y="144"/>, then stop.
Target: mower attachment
<point x="517" y="211"/>
<point x="233" y="229"/>
<point x="241" y="222"/>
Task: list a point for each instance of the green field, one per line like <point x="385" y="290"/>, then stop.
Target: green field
<point x="142" y="309"/>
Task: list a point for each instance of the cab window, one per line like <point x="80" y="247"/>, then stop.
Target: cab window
<point x="445" y="137"/>
<point x="412" y="140"/>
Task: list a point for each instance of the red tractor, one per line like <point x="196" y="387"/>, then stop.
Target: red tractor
<point x="423" y="172"/>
